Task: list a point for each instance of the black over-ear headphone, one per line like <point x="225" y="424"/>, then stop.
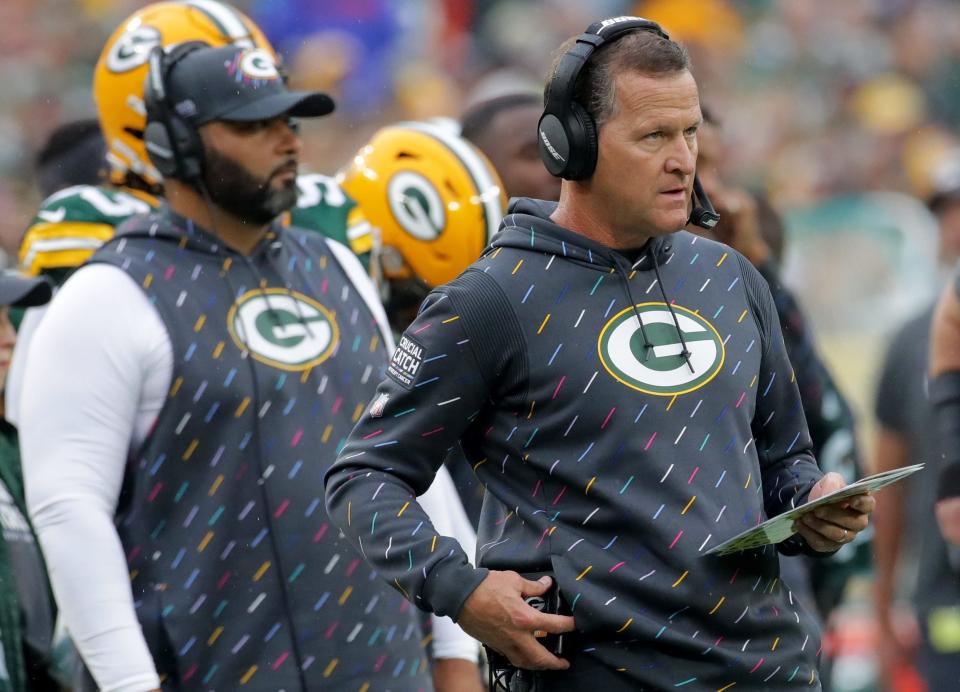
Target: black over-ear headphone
<point x="567" y="133"/>
<point x="173" y="144"/>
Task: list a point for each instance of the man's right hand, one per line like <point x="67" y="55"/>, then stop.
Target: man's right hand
<point x="496" y="614"/>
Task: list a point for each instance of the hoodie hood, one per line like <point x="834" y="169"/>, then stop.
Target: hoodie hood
<point x="527" y="226"/>
<point x="165" y="224"/>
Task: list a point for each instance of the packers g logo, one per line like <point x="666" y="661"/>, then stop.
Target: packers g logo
<point x="664" y="372"/>
<point x="256" y="63"/>
<point x="416" y="205"/>
<point x="284" y="329"/>
<point x="132" y="49"/>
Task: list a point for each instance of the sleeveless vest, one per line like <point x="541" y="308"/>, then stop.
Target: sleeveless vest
<point x="239" y="579"/>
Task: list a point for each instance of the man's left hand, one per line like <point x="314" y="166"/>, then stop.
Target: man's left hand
<point x="829" y="527"/>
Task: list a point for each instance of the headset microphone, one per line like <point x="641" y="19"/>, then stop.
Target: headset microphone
<point x="703" y="214"/>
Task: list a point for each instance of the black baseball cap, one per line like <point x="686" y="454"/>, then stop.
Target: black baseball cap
<point x="237" y="84"/>
<point x="22" y="291"/>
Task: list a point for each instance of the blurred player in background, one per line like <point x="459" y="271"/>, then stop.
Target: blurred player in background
<point x="435" y="202"/>
<point x="908" y="544"/>
<point x="72" y="155"/>
<point x="504" y="128"/>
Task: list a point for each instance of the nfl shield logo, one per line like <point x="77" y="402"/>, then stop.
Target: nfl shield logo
<point x="380" y="403"/>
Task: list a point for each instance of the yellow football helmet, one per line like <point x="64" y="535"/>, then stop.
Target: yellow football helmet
<point x="122" y="69"/>
<point x="434" y="197"/>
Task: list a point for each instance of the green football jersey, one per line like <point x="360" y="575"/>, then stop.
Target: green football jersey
<point x="323" y="206"/>
<point x="72" y="223"/>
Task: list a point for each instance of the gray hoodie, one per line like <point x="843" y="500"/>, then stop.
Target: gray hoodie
<point x="626" y="412"/>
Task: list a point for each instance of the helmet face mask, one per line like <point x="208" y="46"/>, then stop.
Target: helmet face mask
<point x="435" y="199"/>
<point x="122" y="68"/>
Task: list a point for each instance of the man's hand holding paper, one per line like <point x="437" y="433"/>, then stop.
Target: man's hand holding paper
<point x="830" y="526"/>
<point x="833" y="514"/>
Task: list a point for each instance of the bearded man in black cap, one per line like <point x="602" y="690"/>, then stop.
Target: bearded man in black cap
<point x="223" y="362"/>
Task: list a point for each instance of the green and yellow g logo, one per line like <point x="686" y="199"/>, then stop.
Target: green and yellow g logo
<point x="282" y="328"/>
<point x="416" y="205"/>
<point x="660" y="369"/>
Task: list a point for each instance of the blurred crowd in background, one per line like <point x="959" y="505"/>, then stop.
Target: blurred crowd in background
<point x="818" y="100"/>
<point x="818" y="97"/>
<point x="843" y="114"/>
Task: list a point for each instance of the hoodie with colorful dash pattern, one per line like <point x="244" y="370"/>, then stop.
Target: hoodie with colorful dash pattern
<point x="238" y="579"/>
<point x="626" y="412"/>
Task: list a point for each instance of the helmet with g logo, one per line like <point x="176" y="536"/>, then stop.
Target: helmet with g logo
<point x="434" y="197"/>
<point x="121" y="71"/>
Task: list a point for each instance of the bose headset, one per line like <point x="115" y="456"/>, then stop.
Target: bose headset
<point x="173" y="144"/>
<point x="567" y="133"/>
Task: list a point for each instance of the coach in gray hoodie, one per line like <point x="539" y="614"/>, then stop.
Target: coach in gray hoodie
<point x="621" y="388"/>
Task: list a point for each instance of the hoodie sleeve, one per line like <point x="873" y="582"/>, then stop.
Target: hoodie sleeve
<point x="459" y="353"/>
<point x="787" y="466"/>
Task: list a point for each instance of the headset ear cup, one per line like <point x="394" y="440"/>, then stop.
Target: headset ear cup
<point x="160" y="148"/>
<point x="583" y="143"/>
<point x="174" y="146"/>
<point x="554" y="145"/>
<point x="188" y="149"/>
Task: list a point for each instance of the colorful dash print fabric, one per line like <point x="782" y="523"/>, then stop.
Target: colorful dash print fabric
<point x="628" y="411"/>
<point x="240" y="580"/>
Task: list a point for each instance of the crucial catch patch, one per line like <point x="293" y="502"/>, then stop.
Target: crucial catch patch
<point x="405" y="362"/>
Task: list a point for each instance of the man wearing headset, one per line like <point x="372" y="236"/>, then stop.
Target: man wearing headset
<point x="73" y="222"/>
<point x="621" y="388"/>
<point x="174" y="452"/>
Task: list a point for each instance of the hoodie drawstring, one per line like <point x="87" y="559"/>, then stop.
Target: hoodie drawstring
<point x="684" y="352"/>
<point x="633" y="303"/>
